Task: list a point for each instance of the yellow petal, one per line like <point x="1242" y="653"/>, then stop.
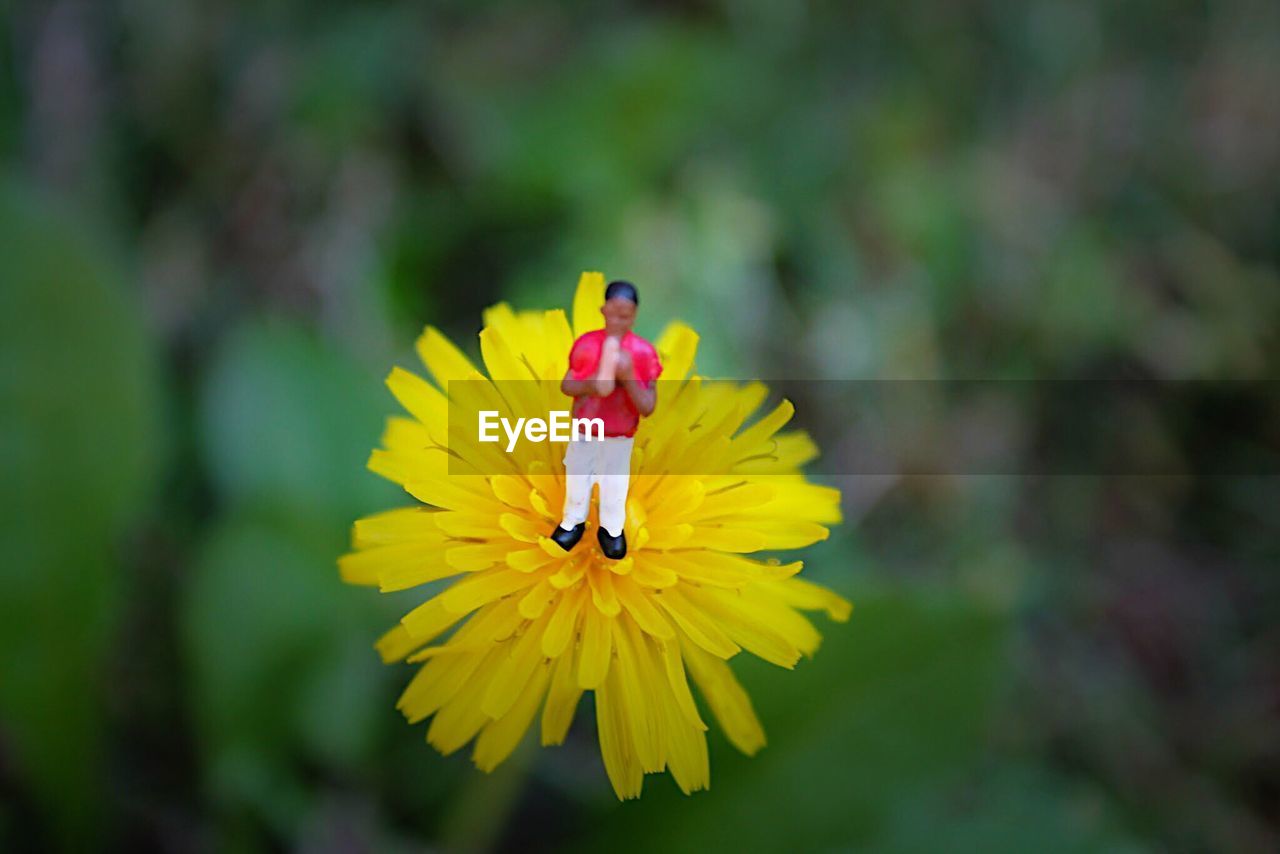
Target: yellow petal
<point x="799" y="499"/>
<point x="461" y="718"/>
<point x="473" y="557"/>
<point x="520" y="528"/>
<point x="673" y="664"/>
<point x="423" y="401"/>
<point x="570" y="572"/>
<point x="426" y="570"/>
<point x="496" y="621"/>
<point x="469" y="525"/>
<point x="749" y="625"/>
<point x="684" y="747"/>
<point x="515" y="671"/>
<point x="686" y="751"/>
<point x="430" y="619"/>
<point x="451" y="493"/>
<point x="444" y="360"/>
<point x="628" y="563"/>
<point x="738" y="499"/>
<point x="396" y="644"/>
<point x="499" y="738"/>
<point x="563" y="624"/>
<point x="438" y="681"/>
<point x="726" y="538"/>
<point x="677" y="346"/>
<point x="537" y="599"/>
<point x="602" y="592"/>
<point x="562" y="702"/>
<point x="587" y="302"/>
<point x="641" y="608"/>
<point x="527" y="560"/>
<point x="597" y="648"/>
<point x="649" y="573"/>
<point x="726" y="697"/>
<point x="674" y="497"/>
<point x="795" y="448"/>
<point x="511" y="490"/>
<point x="749" y="441"/>
<point x="377" y="563"/>
<point x="734" y="533"/>
<point x="559" y="340"/>
<point x="799" y="593"/>
<point x="391" y="527"/>
<point x="476" y="590"/>
<point x="636" y="685"/>
<point x="711" y="568"/>
<point x="669" y="536"/>
<point x="540" y="505"/>
<point x="620" y="763"/>
<point x="695" y="624"/>
<point x="505" y="365"/>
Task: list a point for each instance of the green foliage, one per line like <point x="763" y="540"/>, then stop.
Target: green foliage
<point x="282" y="666"/>
<point x="898" y="697"/>
<point x="78" y="447"/>
<point x="287" y="423"/>
<point x="1005" y="808"/>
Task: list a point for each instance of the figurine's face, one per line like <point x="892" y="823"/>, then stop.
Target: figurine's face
<point x="619" y="316"/>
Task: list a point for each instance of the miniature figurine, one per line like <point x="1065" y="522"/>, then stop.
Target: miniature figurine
<point x="611" y="377"/>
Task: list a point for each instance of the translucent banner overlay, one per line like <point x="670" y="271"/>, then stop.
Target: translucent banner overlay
<point x="883" y="427"/>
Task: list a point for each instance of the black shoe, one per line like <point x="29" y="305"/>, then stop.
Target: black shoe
<point x="614" y="548"/>
<point x="568" y="539"/>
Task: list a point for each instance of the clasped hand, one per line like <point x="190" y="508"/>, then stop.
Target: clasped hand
<point x="615" y="365"/>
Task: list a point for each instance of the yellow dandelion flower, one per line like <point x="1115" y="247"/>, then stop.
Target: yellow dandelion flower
<point x="529" y="627"/>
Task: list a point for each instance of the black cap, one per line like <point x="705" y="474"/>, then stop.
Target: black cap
<point x="624" y="290"/>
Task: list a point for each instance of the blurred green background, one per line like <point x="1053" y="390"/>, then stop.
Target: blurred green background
<point x="221" y="224"/>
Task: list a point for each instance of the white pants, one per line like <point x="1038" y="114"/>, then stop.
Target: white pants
<point x="607" y="463"/>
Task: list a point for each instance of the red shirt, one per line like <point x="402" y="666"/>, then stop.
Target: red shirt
<point x="617" y="410"/>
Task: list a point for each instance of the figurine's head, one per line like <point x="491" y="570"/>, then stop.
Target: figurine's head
<point x="619" y="309"/>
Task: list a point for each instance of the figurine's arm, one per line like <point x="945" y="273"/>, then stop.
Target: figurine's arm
<point x="607" y="370"/>
<point x="600" y="385"/>
<point x="575" y="387"/>
<point x="644" y="396"/>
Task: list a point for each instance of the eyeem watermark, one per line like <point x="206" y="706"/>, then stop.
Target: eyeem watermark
<point x="558" y="427"/>
<point x="1033" y="427"/>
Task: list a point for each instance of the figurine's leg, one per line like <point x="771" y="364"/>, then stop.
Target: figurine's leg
<point x="578" y="475"/>
<point x="616" y="477"/>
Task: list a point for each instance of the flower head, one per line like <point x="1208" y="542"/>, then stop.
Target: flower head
<point x="525" y="627"/>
